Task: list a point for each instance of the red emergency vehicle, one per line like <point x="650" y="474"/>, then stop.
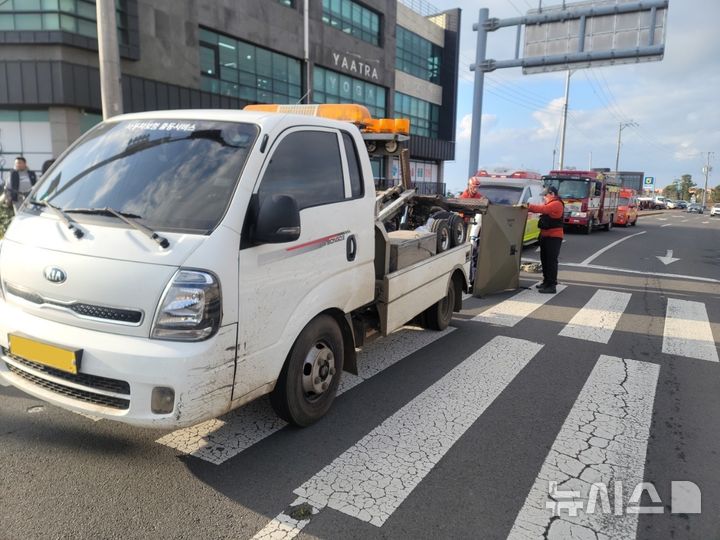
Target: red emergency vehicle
<point x="590" y="197"/>
<point x="627" y="212"/>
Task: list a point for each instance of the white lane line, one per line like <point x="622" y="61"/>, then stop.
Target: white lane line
<point x="597" y="320"/>
<point x="513" y="310"/>
<point x="687" y="331"/>
<point x="284" y="526"/>
<point x="705" y="222"/>
<point x="662" y="219"/>
<point x="371" y="479"/>
<point x="220" y="439"/>
<point x="684" y="221"/>
<point x="666" y="225"/>
<point x="640" y="272"/>
<point x="595" y="255"/>
<point x="604" y="442"/>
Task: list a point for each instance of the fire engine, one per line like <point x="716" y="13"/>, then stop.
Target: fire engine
<point x="590" y="198"/>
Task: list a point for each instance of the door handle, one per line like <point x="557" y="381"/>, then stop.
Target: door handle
<point x="351" y="248"/>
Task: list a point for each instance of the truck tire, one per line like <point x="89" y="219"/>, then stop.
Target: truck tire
<point x="441" y="228"/>
<point x="609" y="224"/>
<point x="439" y="315"/>
<point x="589" y="228"/>
<point x="309" y="379"/>
<point x="457" y="227"/>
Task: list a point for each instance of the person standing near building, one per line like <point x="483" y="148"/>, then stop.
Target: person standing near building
<point x="21" y="182"/>
<point x="551" y="237"/>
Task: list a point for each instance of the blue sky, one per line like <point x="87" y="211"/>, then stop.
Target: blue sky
<point x="675" y="102"/>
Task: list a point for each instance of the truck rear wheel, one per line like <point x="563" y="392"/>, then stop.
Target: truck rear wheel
<point x="456" y="224"/>
<point x="609" y="226"/>
<point x="589" y="228"/>
<point x="309" y="379"/>
<point x="442" y="229"/>
<point x="439" y="315"/>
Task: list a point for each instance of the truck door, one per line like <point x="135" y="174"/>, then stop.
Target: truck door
<point x="282" y="286"/>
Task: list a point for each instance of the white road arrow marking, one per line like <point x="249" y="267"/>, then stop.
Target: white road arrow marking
<point x="668" y="258"/>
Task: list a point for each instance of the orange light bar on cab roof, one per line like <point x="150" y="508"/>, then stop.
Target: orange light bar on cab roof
<point x="346" y="112"/>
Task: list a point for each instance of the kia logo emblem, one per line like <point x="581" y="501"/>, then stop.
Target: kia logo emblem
<point x="55" y="274"/>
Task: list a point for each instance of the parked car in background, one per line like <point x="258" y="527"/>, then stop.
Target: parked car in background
<point x="695" y="209"/>
<point x="671" y="205"/>
<point x="715" y="210"/>
<point x="659" y="203"/>
<point x="681" y="205"/>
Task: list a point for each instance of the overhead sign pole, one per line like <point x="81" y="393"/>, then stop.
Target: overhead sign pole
<point x="584" y="42"/>
<point x="481" y="49"/>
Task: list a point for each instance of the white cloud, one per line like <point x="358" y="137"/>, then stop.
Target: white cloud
<point x="489" y="121"/>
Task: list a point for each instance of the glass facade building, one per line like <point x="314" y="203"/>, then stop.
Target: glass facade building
<point x="417" y="56"/>
<point x="245" y="71"/>
<point x="74" y="16"/>
<point x="352" y="18"/>
<point x="424" y="116"/>
<point x="332" y="87"/>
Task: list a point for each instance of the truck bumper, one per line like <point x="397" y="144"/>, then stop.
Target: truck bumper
<point x="118" y="374"/>
<point x="576" y="221"/>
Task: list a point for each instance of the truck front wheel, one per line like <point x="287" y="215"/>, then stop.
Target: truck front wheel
<point x="309" y="379"/>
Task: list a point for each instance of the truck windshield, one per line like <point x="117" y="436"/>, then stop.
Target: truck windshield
<point x="570" y="189"/>
<point x="176" y="175"/>
<point x="501" y="194"/>
<point x="623" y="201"/>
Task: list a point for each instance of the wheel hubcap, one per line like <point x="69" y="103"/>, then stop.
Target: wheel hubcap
<point x="318" y="371"/>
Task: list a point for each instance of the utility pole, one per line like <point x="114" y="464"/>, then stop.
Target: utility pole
<point x="306" y="50"/>
<point x="109" y="56"/>
<point x="623" y="125"/>
<point x="706" y="169"/>
<point x="564" y="120"/>
<point x="554" y="152"/>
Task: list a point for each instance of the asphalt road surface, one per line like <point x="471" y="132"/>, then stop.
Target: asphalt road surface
<point x="593" y="413"/>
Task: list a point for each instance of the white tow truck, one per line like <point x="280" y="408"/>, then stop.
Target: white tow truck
<point x="172" y="266"/>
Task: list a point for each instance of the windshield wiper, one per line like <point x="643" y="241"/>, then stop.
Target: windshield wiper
<point x="127" y="218"/>
<point x="79" y="233"/>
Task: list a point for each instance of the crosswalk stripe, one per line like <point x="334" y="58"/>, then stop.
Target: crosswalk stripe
<point x="371" y="479"/>
<point x="603" y="440"/>
<point x="513" y="310"/>
<point x="597" y="320"/>
<point x="220" y="439"/>
<point x="687" y="331"/>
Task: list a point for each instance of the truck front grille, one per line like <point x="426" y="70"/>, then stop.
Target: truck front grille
<point x="75" y="393"/>
<point x="91" y="311"/>
<point x="91" y="381"/>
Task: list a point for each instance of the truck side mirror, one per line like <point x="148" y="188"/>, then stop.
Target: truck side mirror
<point x="278" y="220"/>
<point x="598" y="190"/>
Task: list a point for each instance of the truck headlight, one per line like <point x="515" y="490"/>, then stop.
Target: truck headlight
<point x="190" y="309"/>
<point x="578" y="214"/>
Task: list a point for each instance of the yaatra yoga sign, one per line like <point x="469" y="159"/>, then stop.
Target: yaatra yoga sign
<point x="355" y="66"/>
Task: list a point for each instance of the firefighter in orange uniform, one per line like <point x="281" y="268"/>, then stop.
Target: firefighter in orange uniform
<point x="551" y="237"/>
<point x="472" y="191"/>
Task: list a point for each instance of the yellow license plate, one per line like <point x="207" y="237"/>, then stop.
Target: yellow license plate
<point x="61" y="358"/>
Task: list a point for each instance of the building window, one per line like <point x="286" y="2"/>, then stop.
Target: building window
<point x="74" y="16"/>
<point x="353" y="19"/>
<point x="238" y="69"/>
<point x="332" y="87"/>
<point x="417" y="56"/>
<point x="424" y="116"/>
